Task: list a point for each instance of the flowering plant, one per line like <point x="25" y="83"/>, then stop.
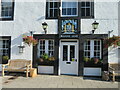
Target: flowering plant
<point x="29" y="40"/>
<point x="112" y="41"/>
<point x="93" y="60"/>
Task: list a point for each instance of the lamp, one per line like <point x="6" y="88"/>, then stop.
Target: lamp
<point x="45" y="25"/>
<point x="21" y="48"/>
<point x="95" y="26"/>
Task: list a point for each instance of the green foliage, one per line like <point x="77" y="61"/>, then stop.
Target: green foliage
<point x="45" y="56"/>
<point x="93" y="60"/>
<point x="86" y="59"/>
<point x="5" y="58"/>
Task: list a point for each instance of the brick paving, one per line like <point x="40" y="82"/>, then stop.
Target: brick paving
<point x="51" y="81"/>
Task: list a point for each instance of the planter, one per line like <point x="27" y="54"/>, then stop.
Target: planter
<point x="91" y="64"/>
<point x="46" y="63"/>
<point x="92" y="71"/>
<point x="45" y="69"/>
<point x="4" y="61"/>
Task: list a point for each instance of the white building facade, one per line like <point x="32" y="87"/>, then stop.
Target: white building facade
<point x="69" y="35"/>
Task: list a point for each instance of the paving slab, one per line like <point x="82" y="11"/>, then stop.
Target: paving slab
<point x="51" y="81"/>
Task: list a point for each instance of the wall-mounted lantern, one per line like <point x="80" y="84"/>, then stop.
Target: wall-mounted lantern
<point x="95" y="26"/>
<point x="21" y="48"/>
<point x="45" y="25"/>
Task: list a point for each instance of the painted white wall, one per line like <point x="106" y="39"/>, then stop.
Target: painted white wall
<point x="30" y="15"/>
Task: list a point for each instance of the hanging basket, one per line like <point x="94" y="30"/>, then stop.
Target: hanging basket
<point x="30" y="40"/>
<point x="112" y="41"/>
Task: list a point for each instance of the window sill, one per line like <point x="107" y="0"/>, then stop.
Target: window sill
<point x="6" y="19"/>
<point x="51" y="18"/>
<point x="87" y="17"/>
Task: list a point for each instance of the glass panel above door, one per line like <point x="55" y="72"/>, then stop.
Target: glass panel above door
<point x="69" y="26"/>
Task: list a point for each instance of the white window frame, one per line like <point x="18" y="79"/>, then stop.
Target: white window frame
<point x="71" y="7"/>
<point x="46" y="47"/>
<point x="92" y="50"/>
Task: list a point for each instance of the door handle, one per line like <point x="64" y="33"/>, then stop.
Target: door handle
<point x="76" y="60"/>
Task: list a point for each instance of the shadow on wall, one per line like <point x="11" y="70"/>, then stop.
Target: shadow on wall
<point x="17" y="42"/>
<point x="41" y="18"/>
<point x="114" y="52"/>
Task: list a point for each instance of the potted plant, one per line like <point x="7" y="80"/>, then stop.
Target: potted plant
<point x="92" y="62"/>
<point x="29" y="40"/>
<point x="5" y="59"/>
<point x="112" y="41"/>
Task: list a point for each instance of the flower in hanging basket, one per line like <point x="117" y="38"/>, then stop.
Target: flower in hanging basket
<point x="112" y="41"/>
<point x="30" y="40"/>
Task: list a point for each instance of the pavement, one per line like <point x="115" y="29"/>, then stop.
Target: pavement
<point x="51" y="81"/>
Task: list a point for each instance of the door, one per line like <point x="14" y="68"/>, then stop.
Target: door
<point x="69" y="58"/>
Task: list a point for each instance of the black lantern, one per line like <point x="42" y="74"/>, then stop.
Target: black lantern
<point x="95" y="26"/>
<point x="45" y="25"/>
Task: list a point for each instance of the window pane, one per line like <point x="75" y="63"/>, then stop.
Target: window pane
<point x="55" y="4"/>
<point x="51" y="4"/>
<point x="64" y="4"/>
<point x="63" y="11"/>
<point x="51" y="13"/>
<point x="72" y="52"/>
<point x="68" y="11"/>
<point x="83" y="4"/>
<point x="88" y="12"/>
<point x="74" y="11"/>
<point x="65" y="53"/>
<point x="55" y="12"/>
<point x="87" y="4"/>
<point x="83" y="11"/>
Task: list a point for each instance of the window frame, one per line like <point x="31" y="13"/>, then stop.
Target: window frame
<point x="9" y="45"/>
<point x="91" y="10"/>
<point x="48" y="8"/>
<point x="46" y="49"/>
<point x="12" y="15"/>
<point x="68" y="15"/>
<point x="92" y="49"/>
